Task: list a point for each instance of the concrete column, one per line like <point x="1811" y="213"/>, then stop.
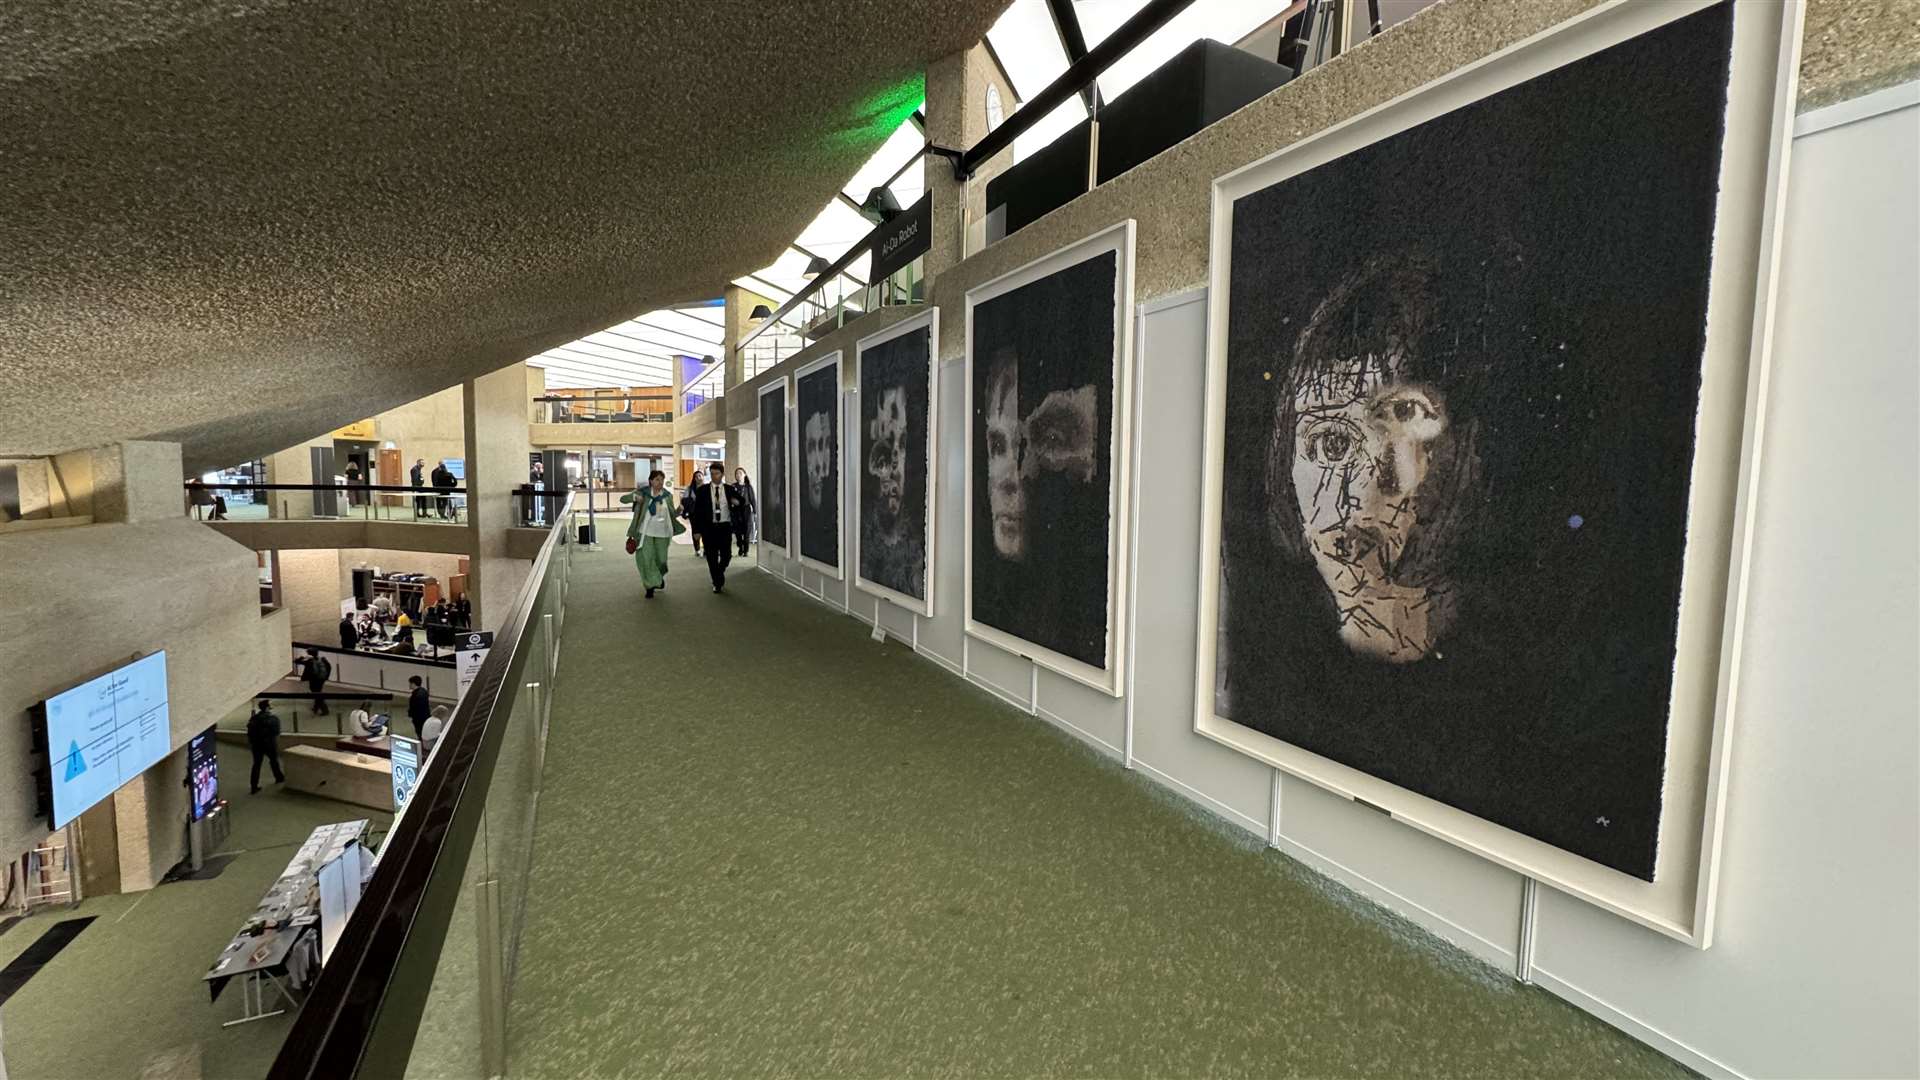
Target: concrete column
<point x="127" y="482"/>
<point x="957" y="118"/>
<point x="495" y="408"/>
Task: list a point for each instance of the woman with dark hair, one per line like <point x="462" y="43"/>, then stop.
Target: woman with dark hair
<point x="1368" y="464"/>
<point x="743" y="524"/>
<point x="650" y="535"/>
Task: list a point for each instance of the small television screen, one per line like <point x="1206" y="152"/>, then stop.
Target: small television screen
<point x="203" y="773"/>
<point x="105" y="732"/>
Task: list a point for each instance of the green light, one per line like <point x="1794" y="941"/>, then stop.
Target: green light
<point x="880" y="114"/>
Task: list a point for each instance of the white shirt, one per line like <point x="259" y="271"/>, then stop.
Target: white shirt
<point x="655" y="522"/>
<point x="719" y="501"/>
<point x="430" y="732"/>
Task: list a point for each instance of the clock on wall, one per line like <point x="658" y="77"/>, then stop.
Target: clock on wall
<point x="995" y="112"/>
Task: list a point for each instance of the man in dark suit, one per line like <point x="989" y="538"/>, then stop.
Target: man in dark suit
<point x="418" y="474"/>
<point x="715" y="505"/>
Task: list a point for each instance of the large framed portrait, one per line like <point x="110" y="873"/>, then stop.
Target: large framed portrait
<point x="1049" y="351"/>
<point x="1484" y="372"/>
<point x="893" y="461"/>
<point x="773" y="466"/>
<point x="816" y="421"/>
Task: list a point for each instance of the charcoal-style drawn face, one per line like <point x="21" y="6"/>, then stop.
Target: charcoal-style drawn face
<point x="887" y="454"/>
<point x="819" y="451"/>
<point x="1364" y="436"/>
<point x="1054" y="441"/>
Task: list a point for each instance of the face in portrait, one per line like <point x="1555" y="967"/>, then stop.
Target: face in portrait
<point x="1360" y="437"/>
<point x="1043" y="399"/>
<point x="819" y="456"/>
<point x="887" y="455"/>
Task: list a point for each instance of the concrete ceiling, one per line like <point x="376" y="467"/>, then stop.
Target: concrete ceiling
<point x="237" y="224"/>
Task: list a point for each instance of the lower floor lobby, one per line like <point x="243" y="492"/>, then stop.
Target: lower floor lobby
<point x="124" y="998"/>
<point x="768" y="845"/>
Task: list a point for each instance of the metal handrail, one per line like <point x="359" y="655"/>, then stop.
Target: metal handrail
<point x="346" y="1022"/>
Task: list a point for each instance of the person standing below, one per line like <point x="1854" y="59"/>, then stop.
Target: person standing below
<point x="650" y="534"/>
<point x="431" y="731"/>
<point x="349" y="633"/>
<point x="463" y="613"/>
<point x="713" y="515"/>
<point x="418" y="707"/>
<point x="536" y="508"/>
<point x="353" y="483"/>
<point x="443" y="483"/>
<point x="263" y="738"/>
<point x="743" y="525"/>
<point x="418" y="474"/>
<point x="318" y="670"/>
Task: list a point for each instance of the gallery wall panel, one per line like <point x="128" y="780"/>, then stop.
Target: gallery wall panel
<point x="942" y="635"/>
<point x="1172" y="350"/>
<point x="1091" y="715"/>
<point x="1006" y="674"/>
<point x="773" y="479"/>
<point x="1450" y="574"/>
<point x="1049" y="349"/>
<point x="892" y="460"/>
<point x="819" y="468"/>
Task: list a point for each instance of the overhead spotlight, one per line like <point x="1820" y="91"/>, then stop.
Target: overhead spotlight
<point x="759" y="312"/>
<point x="815" y="267"/>
<point x="880" y="207"/>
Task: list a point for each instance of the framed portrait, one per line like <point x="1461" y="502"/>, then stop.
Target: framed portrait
<point x="773" y="466"/>
<point x="1049" y="356"/>
<point x="1484" y="373"/>
<point x="816" y="422"/>
<point x="892" y="465"/>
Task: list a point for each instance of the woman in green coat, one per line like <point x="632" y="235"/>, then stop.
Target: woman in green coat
<point x="651" y="533"/>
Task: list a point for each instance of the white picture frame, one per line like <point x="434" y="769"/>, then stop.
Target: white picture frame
<point x="797" y="514"/>
<point x="1679" y="902"/>
<point x="777" y="386"/>
<point x="1118" y="240"/>
<point x="929" y="321"/>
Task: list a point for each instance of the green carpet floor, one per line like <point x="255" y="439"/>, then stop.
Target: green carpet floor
<point x="768" y="846"/>
<point x="125" y="999"/>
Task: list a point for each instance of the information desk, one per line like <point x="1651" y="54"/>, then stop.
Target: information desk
<point x="278" y="946"/>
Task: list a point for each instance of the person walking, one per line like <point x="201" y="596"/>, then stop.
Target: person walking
<point x="418" y="474"/>
<point x="354" y="495"/>
<point x="713" y="515"/>
<point x="694" y="485"/>
<point x="743" y="525"/>
<point x="318" y="669"/>
<point x="263" y="738"/>
<point x="418" y="707"/>
<point x="650" y="534"/>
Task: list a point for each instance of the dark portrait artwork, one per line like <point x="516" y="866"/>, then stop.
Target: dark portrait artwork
<point x="1462" y="370"/>
<point x="1042" y="469"/>
<point x="818" y="419"/>
<point x="895" y="472"/>
<point x="773" y="467"/>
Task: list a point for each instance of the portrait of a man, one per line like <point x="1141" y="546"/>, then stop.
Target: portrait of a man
<point x="773" y="466"/>
<point x="1042" y="393"/>
<point x="895" y="419"/>
<point x="818" y="417"/>
<point x="1459" y="422"/>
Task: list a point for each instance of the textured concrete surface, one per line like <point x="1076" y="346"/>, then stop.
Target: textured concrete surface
<point x="239" y="225"/>
<point x="855" y="866"/>
<point x="1854" y="47"/>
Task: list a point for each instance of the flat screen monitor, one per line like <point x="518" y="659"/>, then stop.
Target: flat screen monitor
<point x="203" y="773"/>
<point x="105" y="732"/>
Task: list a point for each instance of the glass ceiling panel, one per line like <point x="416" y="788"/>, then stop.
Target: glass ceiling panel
<point x="835" y="229"/>
<point x="1027" y="44"/>
<point x="1225" y="21"/>
<point x="899" y="148"/>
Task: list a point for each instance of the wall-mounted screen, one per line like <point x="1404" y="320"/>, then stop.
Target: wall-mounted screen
<point x="105" y="732"/>
<point x="203" y="773"/>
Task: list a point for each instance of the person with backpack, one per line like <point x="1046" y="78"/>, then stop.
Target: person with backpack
<point x="318" y="670"/>
<point x="263" y="738"/>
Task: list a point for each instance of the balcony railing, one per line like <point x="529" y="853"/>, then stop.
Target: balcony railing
<point x="327" y="502"/>
<point x="602" y="410"/>
<point x="459" y="853"/>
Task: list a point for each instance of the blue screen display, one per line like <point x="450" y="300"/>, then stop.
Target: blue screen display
<point x="105" y="732"/>
<point x="406" y="768"/>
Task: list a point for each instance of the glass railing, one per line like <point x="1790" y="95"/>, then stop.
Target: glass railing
<point x="602" y="410"/>
<point x="420" y="978"/>
<point x="840" y="300"/>
<point x="327" y="502"/>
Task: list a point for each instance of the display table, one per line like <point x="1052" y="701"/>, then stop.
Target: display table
<point x="344" y="776"/>
<point x="277" y="947"/>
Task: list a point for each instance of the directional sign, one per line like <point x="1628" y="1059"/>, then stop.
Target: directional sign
<point x="472" y="646"/>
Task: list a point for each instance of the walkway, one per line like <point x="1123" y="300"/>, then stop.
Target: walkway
<point x="770" y="846"/>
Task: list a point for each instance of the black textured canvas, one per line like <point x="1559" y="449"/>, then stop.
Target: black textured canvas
<point x="1041" y="404"/>
<point x="773" y="469"/>
<point x="896" y="472"/>
<point x="817" y="420"/>
<point x="1463" y="366"/>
